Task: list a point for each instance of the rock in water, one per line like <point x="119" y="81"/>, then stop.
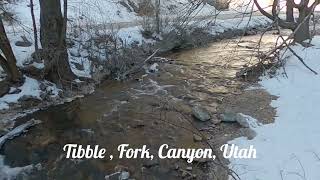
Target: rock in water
<point x="249" y="133"/>
<point x="247" y="121"/>
<point x="242" y="120"/>
<point x="124" y="175"/>
<point x="153" y="68"/>
<point x="229" y="117"/>
<point x="200" y="113"/>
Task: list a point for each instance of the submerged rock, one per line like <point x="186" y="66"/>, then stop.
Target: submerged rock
<point x="228" y="117"/>
<point x="201" y="113"/>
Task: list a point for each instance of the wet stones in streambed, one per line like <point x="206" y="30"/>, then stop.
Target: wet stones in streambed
<point x="244" y="121"/>
<point x="249" y="133"/>
<point x="151" y="163"/>
<point x="197" y="138"/>
<point x="201" y="113"/>
<point x="76" y="169"/>
<point x="120" y="173"/>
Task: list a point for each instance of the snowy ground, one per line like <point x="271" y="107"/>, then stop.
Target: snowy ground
<point x="82" y="12"/>
<point x="289" y="149"/>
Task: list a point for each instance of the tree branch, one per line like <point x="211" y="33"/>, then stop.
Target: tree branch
<point x="282" y="23"/>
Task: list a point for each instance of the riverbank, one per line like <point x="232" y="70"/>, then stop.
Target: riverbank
<point x="149" y="109"/>
<point x="86" y="62"/>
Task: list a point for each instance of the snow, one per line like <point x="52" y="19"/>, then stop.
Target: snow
<point x="116" y="19"/>
<point x="100" y="11"/>
<point x="9" y="173"/>
<point x="289" y="148"/>
<point x="153" y="68"/>
<point x="29" y="88"/>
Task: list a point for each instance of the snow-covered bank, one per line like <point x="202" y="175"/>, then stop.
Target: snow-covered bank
<point x="289" y="149"/>
<point x="7" y="172"/>
<point x="30" y="89"/>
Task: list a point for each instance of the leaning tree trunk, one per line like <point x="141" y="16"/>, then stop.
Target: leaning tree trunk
<point x="303" y="32"/>
<point x="8" y="62"/>
<point x="5" y="84"/>
<point x="52" y="38"/>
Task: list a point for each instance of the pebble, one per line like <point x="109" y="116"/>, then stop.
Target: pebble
<point x="197" y="138"/>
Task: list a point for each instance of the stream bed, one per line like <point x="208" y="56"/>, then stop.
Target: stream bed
<point x="151" y="109"/>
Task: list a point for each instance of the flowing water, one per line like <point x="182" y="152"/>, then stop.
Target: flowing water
<point x="152" y="110"/>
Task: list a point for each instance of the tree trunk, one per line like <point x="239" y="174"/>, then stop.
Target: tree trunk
<point x="52" y="38"/>
<point x="289" y="13"/>
<point x="303" y="32"/>
<point x="9" y="60"/>
<point x="35" y="31"/>
<point x="5" y="84"/>
<point x="158" y="20"/>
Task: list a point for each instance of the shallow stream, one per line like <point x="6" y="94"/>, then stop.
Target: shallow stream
<point x="152" y="109"/>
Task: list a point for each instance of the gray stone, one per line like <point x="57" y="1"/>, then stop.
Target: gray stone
<point x="249" y="133"/>
<point x="242" y="120"/>
<point x="124" y="175"/>
<point x="27" y="98"/>
<point x="150" y="163"/>
<point x="200" y="113"/>
<point x="24" y="43"/>
<point x="215" y="120"/>
<point x="114" y="176"/>
<point x="14" y="91"/>
<point x="229" y="117"/>
<point x="197" y="138"/>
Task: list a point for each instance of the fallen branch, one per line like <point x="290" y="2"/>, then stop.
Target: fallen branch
<point x="139" y="66"/>
<point x="301" y="60"/>
<point x="18" y="131"/>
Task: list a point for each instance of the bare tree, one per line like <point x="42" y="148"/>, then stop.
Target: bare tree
<point x="8" y="61"/>
<point x="35" y="31"/>
<point x="53" y="40"/>
<point x="301" y="27"/>
<point x="157" y="14"/>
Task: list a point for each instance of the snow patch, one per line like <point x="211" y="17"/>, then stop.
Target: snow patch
<point x="29" y="88"/>
<point x="289" y="148"/>
<point x="11" y="173"/>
